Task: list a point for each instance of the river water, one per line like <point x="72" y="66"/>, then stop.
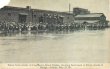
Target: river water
<point x="87" y="46"/>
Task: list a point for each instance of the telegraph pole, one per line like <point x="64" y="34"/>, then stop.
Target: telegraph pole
<point x="69" y="7"/>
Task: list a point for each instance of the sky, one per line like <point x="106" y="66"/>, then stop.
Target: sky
<point x="4" y="2"/>
<point x="98" y="6"/>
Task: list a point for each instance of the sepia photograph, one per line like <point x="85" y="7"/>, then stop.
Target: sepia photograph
<point x="54" y="31"/>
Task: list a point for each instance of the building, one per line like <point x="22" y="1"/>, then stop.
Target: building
<point x="17" y="18"/>
<point x="78" y="11"/>
<point x="34" y="16"/>
<point x="96" y="19"/>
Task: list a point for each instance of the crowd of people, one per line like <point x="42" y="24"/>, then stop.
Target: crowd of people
<point x="20" y="27"/>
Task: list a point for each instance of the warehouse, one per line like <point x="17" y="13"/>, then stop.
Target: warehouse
<point x="92" y="19"/>
<point x="28" y="15"/>
<point x="24" y="19"/>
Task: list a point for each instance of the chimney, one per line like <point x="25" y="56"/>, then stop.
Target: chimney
<point x="28" y="7"/>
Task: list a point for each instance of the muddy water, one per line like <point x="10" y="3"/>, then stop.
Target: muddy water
<point x="72" y="47"/>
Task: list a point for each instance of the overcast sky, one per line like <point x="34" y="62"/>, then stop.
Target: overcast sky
<point x="101" y="6"/>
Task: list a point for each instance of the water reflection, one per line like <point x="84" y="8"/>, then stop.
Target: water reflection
<point x="50" y="47"/>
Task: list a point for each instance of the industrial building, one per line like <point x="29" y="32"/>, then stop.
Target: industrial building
<point x="95" y="19"/>
<point x="80" y="11"/>
<point x="17" y="18"/>
<point x="34" y="16"/>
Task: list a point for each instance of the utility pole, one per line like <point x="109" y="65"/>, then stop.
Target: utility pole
<point x="69" y="7"/>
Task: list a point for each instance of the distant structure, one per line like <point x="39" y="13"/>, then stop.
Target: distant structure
<point x="79" y="11"/>
<point x="96" y="19"/>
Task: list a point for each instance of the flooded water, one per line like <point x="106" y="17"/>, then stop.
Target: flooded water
<point x="72" y="47"/>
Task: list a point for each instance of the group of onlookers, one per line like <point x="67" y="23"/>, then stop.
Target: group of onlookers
<point x="19" y="27"/>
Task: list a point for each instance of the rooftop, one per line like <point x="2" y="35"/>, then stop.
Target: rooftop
<point x="91" y="15"/>
<point x="88" y="21"/>
<point x="29" y="8"/>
